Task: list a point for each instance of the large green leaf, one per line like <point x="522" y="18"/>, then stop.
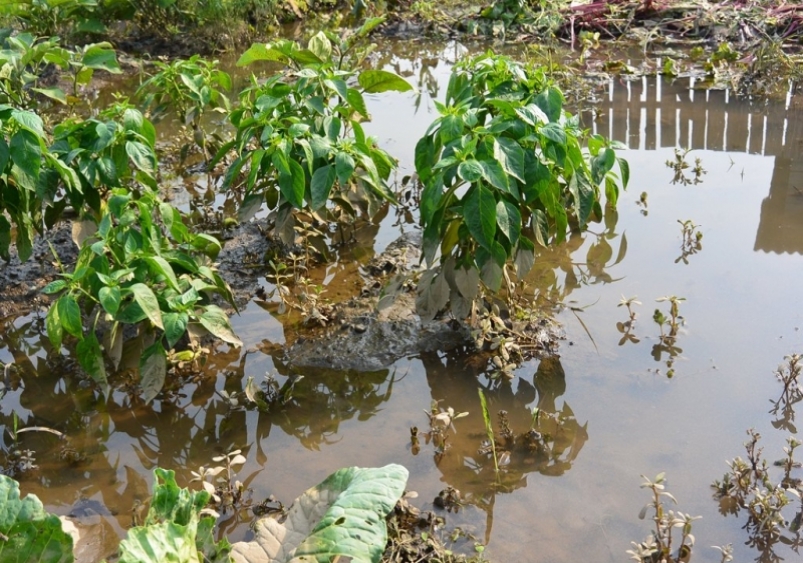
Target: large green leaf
<point x="292" y="185"/>
<point x="376" y="81"/>
<point x="152" y="371"/>
<point x="321" y="185"/>
<point x="261" y="52"/>
<point x="31" y="534"/>
<point x="479" y="211"/>
<point x="101" y="57"/>
<point x="90" y="356"/>
<point x="146" y="299"/>
<point x="343" y="517"/>
<point x="215" y="321"/>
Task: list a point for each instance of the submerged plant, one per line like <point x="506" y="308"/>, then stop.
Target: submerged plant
<point x="679" y="166"/>
<point x="626" y="327"/>
<point x="659" y="544"/>
<point x="791" y="394"/>
<point x="189" y="88"/>
<point x="691" y="240"/>
<point x="300" y="145"/>
<point x="503" y="168"/>
<point x="668" y="339"/>
<point x="749" y="486"/>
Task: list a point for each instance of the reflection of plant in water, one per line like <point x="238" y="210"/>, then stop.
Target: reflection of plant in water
<point x="748" y="486"/>
<point x="668" y="340"/>
<point x="626" y="327"/>
<point x="679" y="166"/>
<point x="691" y="243"/>
<point x="658" y="545"/>
<point x="791" y="394"/>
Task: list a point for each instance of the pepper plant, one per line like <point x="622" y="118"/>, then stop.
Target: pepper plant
<point x="503" y="167"/>
<point x="188" y="88"/>
<point x="142" y="267"/>
<point x="300" y="143"/>
<point x="35" y="177"/>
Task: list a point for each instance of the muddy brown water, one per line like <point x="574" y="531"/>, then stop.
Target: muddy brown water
<point x="621" y="415"/>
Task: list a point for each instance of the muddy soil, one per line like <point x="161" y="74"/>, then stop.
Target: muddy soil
<point x="21" y="283"/>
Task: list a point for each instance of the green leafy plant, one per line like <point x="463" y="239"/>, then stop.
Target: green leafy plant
<point x="748" y="486"/>
<point x="299" y="143"/>
<point x="189" y="88"/>
<point x="24" y="59"/>
<point x="55" y="17"/>
<point x="28" y="533"/>
<point x="658" y="546"/>
<point x="177" y="528"/>
<point x="503" y="167"/>
<point x="37" y="179"/>
<point x="691" y="242"/>
<point x="144" y="267"/>
<point x="344" y="516"/>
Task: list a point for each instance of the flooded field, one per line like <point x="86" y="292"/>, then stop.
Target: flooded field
<point x="616" y="402"/>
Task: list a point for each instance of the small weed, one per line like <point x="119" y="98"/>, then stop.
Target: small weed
<point x="788" y="375"/>
<point x="626" y="328"/>
<point x="226" y="491"/>
<point x="748" y="486"/>
<point x="691" y="242"/>
<point x="668" y="339"/>
<point x="679" y="166"/>
<point x="440" y="421"/>
<point x="658" y="545"/>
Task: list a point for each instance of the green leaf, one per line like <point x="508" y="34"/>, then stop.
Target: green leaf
<point x="508" y="219"/>
<point x="321" y="185"/>
<point x="110" y="299"/>
<point x="101" y="57"/>
<point x="470" y="171"/>
<point x="56" y="94"/>
<point x="554" y="132"/>
<point x="70" y="315"/>
<point x="175" y="327"/>
<point x="551" y="103"/>
<point x="493" y="174"/>
<point x="54" y="287"/>
<point x="30" y="121"/>
<point x="55" y="332"/>
<point x="341" y="518"/>
<point x="142" y="156"/>
<point x="251" y="204"/>
<point x="377" y="81"/>
<point x="320" y="46"/>
<point x="261" y="52"/>
<point x="4" y="154"/>
<point x="356" y="101"/>
<point x="509" y="154"/>
<point x="344" y="165"/>
<point x="26" y="152"/>
<point x="215" y="321"/>
<point x="152" y="371"/>
<point x="624" y="167"/>
<point x="162" y="267"/>
<point x="90" y="357"/>
<point x="293" y="185"/>
<point x="146" y="299"/>
<point x="602" y="164"/>
<point x="30" y="533"/>
<point x="174" y="532"/>
<point x="479" y="212"/>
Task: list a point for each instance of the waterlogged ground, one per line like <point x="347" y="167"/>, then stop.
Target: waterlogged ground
<point x="621" y="416"/>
